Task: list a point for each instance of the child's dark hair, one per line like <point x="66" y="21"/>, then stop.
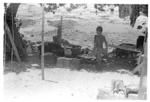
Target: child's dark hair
<point x="99" y="28"/>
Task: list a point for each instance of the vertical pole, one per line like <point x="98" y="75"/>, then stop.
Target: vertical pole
<point x="59" y="31"/>
<point x="61" y="27"/>
<point x="42" y="53"/>
<point x="12" y="53"/>
<point x="61" y="20"/>
<point x="143" y="78"/>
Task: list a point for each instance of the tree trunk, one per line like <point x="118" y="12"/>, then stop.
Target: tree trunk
<point x="9" y="17"/>
<point x="135" y="12"/>
<point x="124" y="11"/>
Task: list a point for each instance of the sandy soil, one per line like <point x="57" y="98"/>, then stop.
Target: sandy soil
<point x="63" y="84"/>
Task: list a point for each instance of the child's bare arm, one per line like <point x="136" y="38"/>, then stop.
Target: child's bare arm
<point x="94" y="49"/>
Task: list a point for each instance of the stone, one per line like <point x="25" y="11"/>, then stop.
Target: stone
<point x="63" y="62"/>
<point x="75" y="63"/>
<point x="72" y="63"/>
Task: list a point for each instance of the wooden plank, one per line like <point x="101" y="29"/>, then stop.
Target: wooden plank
<point x="12" y="42"/>
<point x="125" y="48"/>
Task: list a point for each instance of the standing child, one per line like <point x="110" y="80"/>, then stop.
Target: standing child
<point x="100" y="46"/>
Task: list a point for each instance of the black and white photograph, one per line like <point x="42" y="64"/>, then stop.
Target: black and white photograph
<point x="70" y="52"/>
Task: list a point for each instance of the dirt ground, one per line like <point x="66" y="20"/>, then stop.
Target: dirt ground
<point x="86" y="84"/>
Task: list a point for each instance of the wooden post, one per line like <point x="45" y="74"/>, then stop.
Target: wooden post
<point x="60" y="28"/>
<point x="4" y="51"/>
<point x="12" y="53"/>
<point x="61" y="23"/>
<point x="59" y="32"/>
<point x="12" y="42"/>
<point x="42" y="51"/>
<point x="143" y="79"/>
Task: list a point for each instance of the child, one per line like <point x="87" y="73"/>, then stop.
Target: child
<point x="99" y="49"/>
